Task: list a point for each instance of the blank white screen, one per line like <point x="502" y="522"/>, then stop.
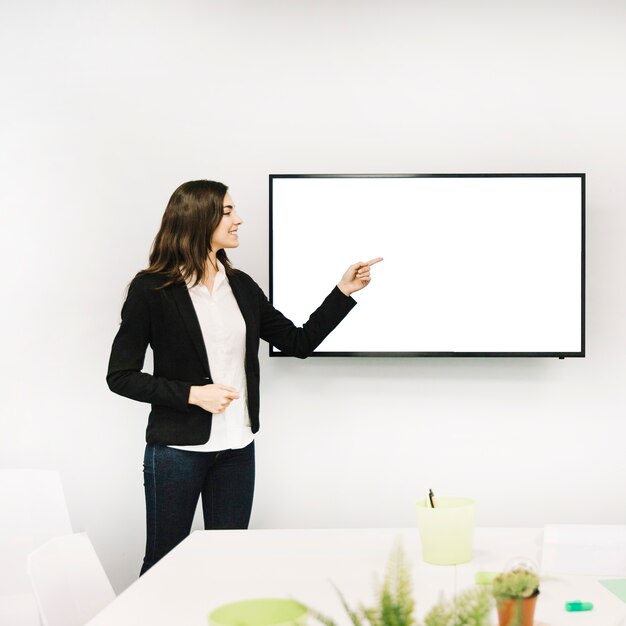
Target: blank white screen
<point x="471" y="264"/>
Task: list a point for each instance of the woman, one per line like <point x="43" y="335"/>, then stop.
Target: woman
<point x="204" y="320"/>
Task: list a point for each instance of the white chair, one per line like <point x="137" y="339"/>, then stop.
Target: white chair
<point x="32" y="510"/>
<point x="582" y="549"/>
<point x="69" y="581"/>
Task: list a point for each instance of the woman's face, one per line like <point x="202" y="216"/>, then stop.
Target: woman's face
<point x="225" y="235"/>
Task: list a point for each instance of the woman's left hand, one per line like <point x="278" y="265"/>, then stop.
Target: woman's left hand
<point x="356" y="277"/>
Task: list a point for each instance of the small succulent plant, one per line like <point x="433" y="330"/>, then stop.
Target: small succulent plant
<point x="517" y="583"/>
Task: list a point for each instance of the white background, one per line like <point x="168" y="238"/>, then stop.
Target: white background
<point x="472" y="264"/>
<point x="107" y="107"/>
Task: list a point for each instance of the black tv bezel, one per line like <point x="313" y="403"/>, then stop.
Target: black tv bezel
<point x="560" y="355"/>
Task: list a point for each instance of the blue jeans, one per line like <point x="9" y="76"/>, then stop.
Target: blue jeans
<point x="175" y="479"/>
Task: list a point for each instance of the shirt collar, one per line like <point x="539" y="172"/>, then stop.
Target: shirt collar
<point x="219" y="278"/>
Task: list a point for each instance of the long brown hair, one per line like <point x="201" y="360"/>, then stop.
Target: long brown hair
<point x="181" y="246"/>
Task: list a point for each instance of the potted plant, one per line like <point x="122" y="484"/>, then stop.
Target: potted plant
<point x="470" y="608"/>
<point x="395" y="605"/>
<point x="516" y="594"/>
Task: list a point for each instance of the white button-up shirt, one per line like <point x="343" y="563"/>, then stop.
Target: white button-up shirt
<point x="224" y="333"/>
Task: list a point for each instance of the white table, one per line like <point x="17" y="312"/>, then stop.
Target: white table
<point x="211" y="568"/>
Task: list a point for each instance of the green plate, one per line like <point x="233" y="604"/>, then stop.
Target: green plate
<point x="260" y="612"/>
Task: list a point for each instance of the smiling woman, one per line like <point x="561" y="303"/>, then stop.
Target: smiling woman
<point x="204" y="320"/>
<point x="194" y="232"/>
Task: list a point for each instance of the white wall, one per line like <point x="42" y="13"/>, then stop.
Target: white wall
<point x="107" y="107"/>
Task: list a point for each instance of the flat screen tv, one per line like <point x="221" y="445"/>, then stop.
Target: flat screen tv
<point x="474" y="264"/>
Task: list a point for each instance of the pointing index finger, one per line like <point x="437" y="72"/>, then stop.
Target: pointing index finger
<point x="374" y="261"/>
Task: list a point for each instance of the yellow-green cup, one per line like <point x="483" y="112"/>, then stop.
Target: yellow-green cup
<point x="447" y="530"/>
<point x="260" y="612"/>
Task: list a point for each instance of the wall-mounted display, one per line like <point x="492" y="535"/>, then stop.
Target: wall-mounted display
<point x="474" y="264"/>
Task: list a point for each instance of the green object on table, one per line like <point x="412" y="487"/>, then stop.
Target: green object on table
<point x="616" y="586"/>
<point x="260" y="612"/>
<point x="575" y="607"/>
<point x="446" y="531"/>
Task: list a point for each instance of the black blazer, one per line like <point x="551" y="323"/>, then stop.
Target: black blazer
<point x="166" y="319"/>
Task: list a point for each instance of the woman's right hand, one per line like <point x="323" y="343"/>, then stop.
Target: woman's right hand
<point x="213" y="398"/>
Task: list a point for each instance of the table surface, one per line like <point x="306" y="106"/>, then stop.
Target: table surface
<point x="211" y="568"/>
